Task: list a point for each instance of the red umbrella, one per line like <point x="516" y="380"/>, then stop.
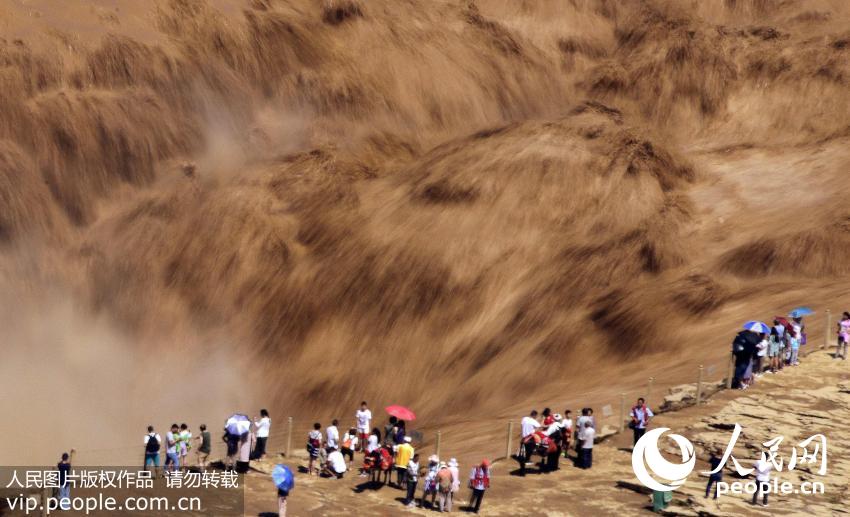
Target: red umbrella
<point x="781" y="319"/>
<point x="401" y="412"/>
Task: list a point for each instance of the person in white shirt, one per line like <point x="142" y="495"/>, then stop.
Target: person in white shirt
<point x="586" y="437"/>
<point x="153" y="442"/>
<point x="763" y="468"/>
<point x="336" y="465"/>
<point x="332" y="433"/>
<point x="262" y="428"/>
<point x="364" y="422"/>
<point x="528" y="425"/>
<point x="586" y="416"/>
<point x="567" y="434"/>
<point x="640" y="414"/>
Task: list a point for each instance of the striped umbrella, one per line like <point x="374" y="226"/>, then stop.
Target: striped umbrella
<point x="757" y="327"/>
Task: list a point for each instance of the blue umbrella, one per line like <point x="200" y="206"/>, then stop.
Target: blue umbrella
<point x="757" y="327"/>
<point x="238" y="424"/>
<point x="283" y="478"/>
<point x="799" y="312"/>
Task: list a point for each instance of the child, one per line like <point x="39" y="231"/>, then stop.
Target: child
<point x="314" y="444"/>
<point x="349" y="445"/>
<point x="185" y="444"/>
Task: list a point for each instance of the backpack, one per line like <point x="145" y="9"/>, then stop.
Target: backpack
<point x="153" y="444"/>
<point x="444" y="483"/>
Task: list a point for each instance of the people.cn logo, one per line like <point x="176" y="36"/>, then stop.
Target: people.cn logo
<point x="648" y="463"/>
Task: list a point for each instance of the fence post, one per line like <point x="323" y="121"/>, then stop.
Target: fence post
<point x="289" y="439"/>
<point x="826" y="333"/>
<point x="730" y="371"/>
<point x="508" y="440"/>
<point x="699" y="385"/>
<point x="437" y="445"/>
<point x="648" y="396"/>
<point x="622" y="425"/>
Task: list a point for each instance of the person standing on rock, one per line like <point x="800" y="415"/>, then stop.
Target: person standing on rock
<point x="586" y="416"/>
<point x="412" y="481"/>
<point x="402" y="458"/>
<point x="262" y="426"/>
<point x="773" y="349"/>
<point x="743" y="348"/>
<point x="714" y="462"/>
<point x="389" y="431"/>
<point x="314" y="444"/>
<point x="843" y="336"/>
<point x="453" y="466"/>
<point x="333" y="435"/>
<point x="479" y="481"/>
<point x="567" y="431"/>
<point x="763" y="468"/>
<point x="205" y="448"/>
<point x="640" y="417"/>
<point x="445" y="480"/>
<point x="153" y="441"/>
<point x="528" y="426"/>
<point x="587" y="435"/>
<point x="797" y="328"/>
<point x="364" y="421"/>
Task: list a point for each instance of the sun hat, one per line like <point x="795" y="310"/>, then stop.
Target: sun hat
<point x="407" y="439"/>
<point x="452" y="462"/>
<point x="433" y="459"/>
<point x="443" y="465"/>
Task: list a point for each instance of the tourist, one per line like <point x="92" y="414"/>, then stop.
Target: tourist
<point x="762" y="472"/>
<point x="743" y="347"/>
<point x="640" y="417"/>
<point x="660" y="500"/>
<point x="555" y="433"/>
<point x="402" y="457"/>
<point x="185" y="438"/>
<point x="314" y="445"/>
<point x="232" y="441"/>
<point x="773" y="349"/>
<point x="430" y="484"/>
<point x="152" y="446"/>
<point x="586" y="416"/>
<point x="843" y="336"/>
<point x="587" y="436"/>
<point x="761" y="353"/>
<point x="205" y="447"/>
<point x="374" y="441"/>
<point x="715" y="477"/>
<point x="332" y="433"/>
<point x="547" y="417"/>
<point x="412" y="480"/>
<point x="172" y="457"/>
<point x="364" y="420"/>
<point x="567" y="431"/>
<point x="479" y="481"/>
<point x="64" y="467"/>
<point x="445" y="480"/>
<point x="400" y="432"/>
<point x="797" y="334"/>
<point x="349" y="445"/>
<point x="335" y="465"/>
<point x="453" y="466"/>
<point x="262" y="428"/>
<point x="389" y="430"/>
<point x="782" y="336"/>
<point x="528" y="425"/>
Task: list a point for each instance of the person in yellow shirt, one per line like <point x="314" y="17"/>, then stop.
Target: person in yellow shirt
<point x="402" y="457"/>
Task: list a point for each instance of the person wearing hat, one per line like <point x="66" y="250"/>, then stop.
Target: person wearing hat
<point x="479" y="481"/>
<point x="555" y="433"/>
<point x="430" y="487"/>
<point x="445" y="480"/>
<point x="402" y="456"/>
<point x="453" y="466"/>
